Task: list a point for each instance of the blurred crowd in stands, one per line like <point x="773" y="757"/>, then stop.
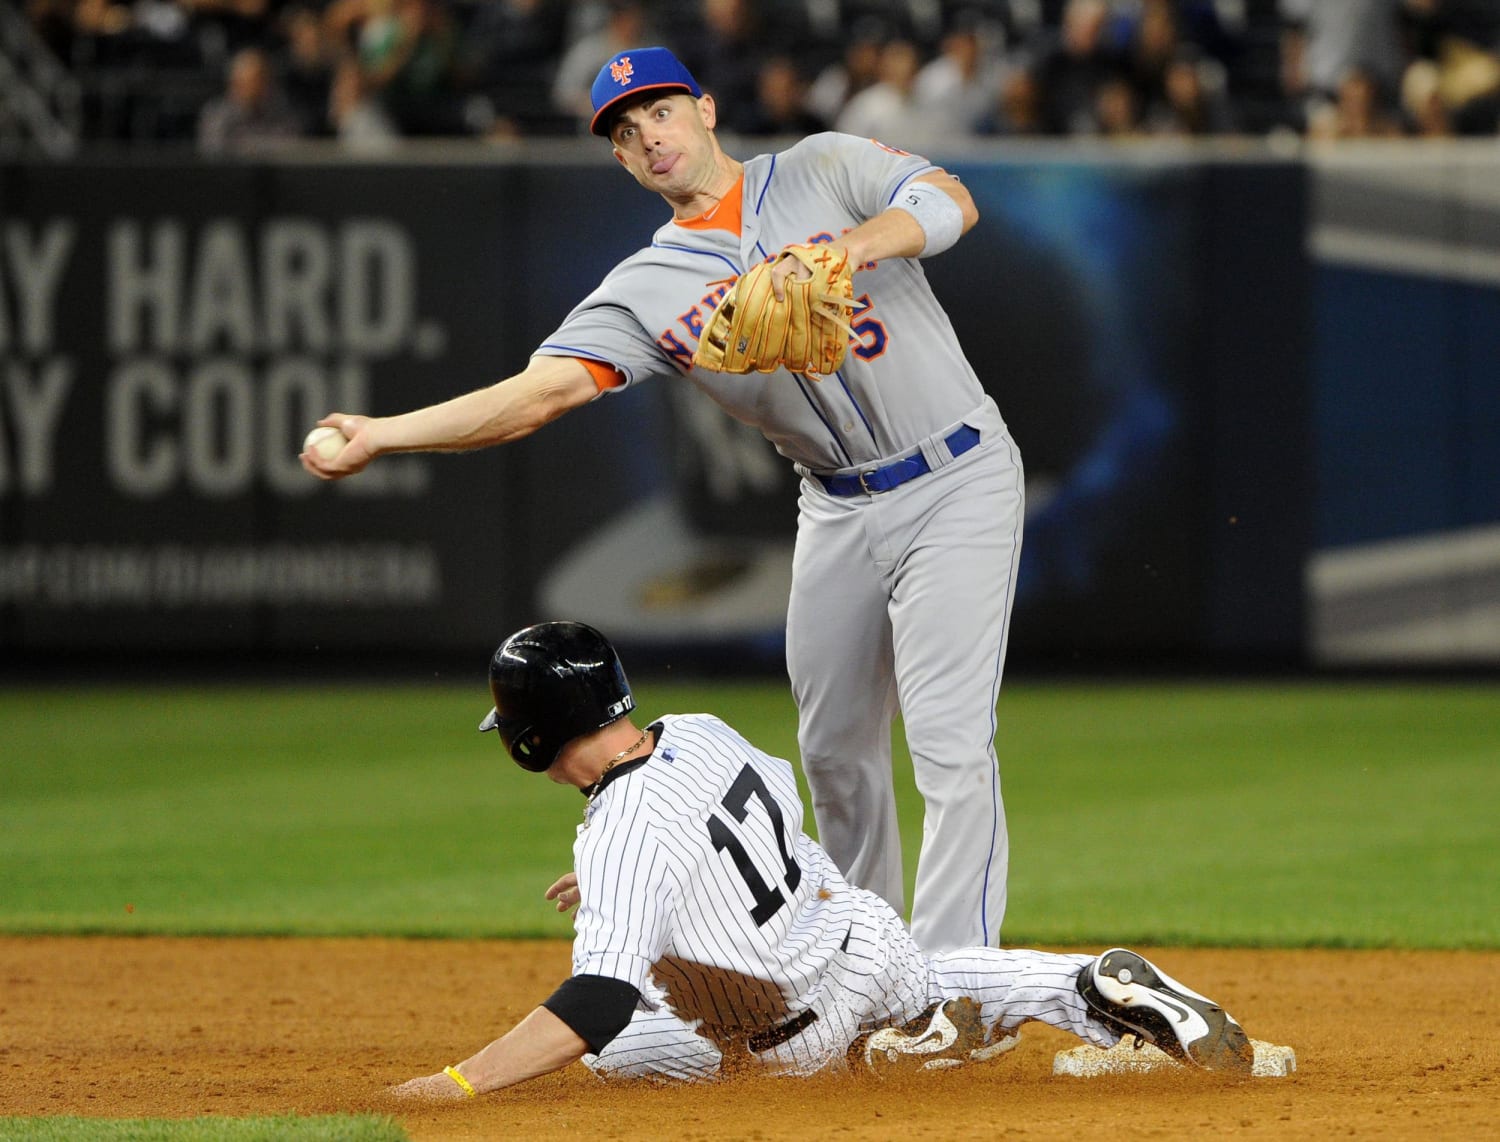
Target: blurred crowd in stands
<point x="235" y="75"/>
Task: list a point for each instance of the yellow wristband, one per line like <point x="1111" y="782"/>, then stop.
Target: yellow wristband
<point x="461" y="1081"/>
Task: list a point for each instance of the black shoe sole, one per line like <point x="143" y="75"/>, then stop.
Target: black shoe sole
<point x="1224" y="1047"/>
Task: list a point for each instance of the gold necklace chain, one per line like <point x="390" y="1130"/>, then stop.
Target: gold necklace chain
<point x="619" y="757"/>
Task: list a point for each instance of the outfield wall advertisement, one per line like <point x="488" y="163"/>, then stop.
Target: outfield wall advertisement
<point x="171" y="341"/>
<point x="1406" y="565"/>
<point x="168" y="333"/>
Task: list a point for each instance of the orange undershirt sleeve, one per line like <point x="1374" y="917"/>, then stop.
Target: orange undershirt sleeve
<point x="605" y="376"/>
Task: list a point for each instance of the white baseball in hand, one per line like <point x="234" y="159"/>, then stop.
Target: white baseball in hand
<point x="326" y="442"/>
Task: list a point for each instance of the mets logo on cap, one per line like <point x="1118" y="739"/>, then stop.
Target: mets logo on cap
<point x="631" y="72"/>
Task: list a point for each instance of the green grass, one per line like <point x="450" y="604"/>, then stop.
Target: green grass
<point x="1318" y="814"/>
<point x="1332" y="815"/>
<point x="282" y="1128"/>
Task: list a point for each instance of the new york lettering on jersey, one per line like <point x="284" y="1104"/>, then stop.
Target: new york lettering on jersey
<point x="645" y="316"/>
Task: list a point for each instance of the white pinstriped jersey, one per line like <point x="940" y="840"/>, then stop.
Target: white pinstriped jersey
<point x="698" y="887"/>
<point x="695" y="865"/>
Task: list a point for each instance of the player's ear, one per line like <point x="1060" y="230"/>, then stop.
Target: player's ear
<point x="708" y="111"/>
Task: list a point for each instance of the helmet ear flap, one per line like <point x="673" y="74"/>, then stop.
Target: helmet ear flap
<point x="529" y="748"/>
<point x="525" y="742"/>
<point x="551" y="683"/>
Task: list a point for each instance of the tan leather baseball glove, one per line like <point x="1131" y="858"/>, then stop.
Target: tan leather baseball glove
<point x="807" y="331"/>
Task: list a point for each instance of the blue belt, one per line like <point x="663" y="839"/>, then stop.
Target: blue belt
<point x="897" y="472"/>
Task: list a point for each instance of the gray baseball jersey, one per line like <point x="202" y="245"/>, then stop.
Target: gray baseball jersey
<point x="646" y="316"/>
<point x="901" y="595"/>
<point x="698" y="886"/>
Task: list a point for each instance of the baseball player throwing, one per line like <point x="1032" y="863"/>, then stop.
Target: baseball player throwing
<point x="909" y="524"/>
<point x="713" y="934"/>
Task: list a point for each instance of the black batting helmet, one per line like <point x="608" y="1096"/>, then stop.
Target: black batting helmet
<point x="551" y="683"/>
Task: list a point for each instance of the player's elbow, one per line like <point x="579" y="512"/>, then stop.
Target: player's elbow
<point x="966" y="205"/>
<point x="561" y="391"/>
<point x="544" y="391"/>
<point x="547" y="404"/>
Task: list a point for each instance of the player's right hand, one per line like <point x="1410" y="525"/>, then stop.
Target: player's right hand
<point x="783" y="269"/>
<point x="429" y="1088"/>
<point x="354" y="456"/>
<point x="565" y="892"/>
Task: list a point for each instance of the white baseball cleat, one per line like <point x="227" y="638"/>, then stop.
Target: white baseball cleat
<point x="947" y="1035"/>
<point x="1132" y="996"/>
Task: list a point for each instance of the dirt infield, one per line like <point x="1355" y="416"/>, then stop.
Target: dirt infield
<point x="1389" y="1045"/>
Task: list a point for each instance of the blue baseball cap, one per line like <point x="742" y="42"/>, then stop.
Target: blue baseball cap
<point x="630" y="73"/>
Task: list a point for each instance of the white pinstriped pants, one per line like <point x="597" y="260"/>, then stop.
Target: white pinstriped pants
<point x="882" y="979"/>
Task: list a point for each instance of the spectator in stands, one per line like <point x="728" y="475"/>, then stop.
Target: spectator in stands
<point x="305" y="63"/>
<point x="359" y="122"/>
<point x="1422" y="102"/>
<point x="1152" y="41"/>
<point x="1477" y="103"/>
<point x="510" y="55"/>
<point x="402" y="52"/>
<point x="887" y="110"/>
<point x="1018" y="109"/>
<point x="1193" y="103"/>
<point x="1072" y="68"/>
<point x="857" y="68"/>
<point x="1361" y="111"/>
<point x="1469" y="84"/>
<point x="960" y="82"/>
<point x="1117" y="109"/>
<point x="251" y="114"/>
<point x="624" y="27"/>
<point x="146" y="65"/>
<point x="1323" y="41"/>
<point x="724" y="53"/>
<point x="780" y="106"/>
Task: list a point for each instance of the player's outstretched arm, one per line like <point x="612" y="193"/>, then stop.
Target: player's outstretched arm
<point x="538" y="1045"/>
<point x="546" y="389"/>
